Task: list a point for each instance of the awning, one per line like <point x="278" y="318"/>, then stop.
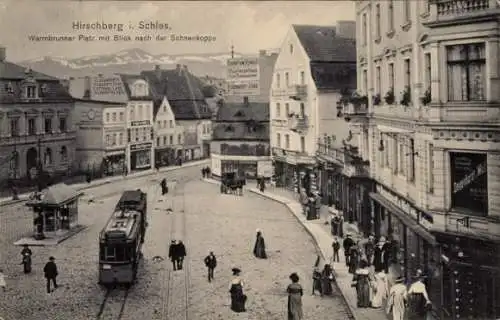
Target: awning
<point x="407" y="221"/>
<point x="387" y="129"/>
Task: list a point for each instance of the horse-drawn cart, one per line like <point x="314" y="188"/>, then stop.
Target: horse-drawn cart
<point x="231" y="182"/>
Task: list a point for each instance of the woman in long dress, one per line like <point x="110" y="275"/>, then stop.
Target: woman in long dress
<point x="259" y="249"/>
<point x="381" y="289"/>
<point x="238" y="298"/>
<point x="362" y="282"/>
<point x="295" y="294"/>
<point x="396" y="304"/>
<point x="418" y="299"/>
<point x="326" y="280"/>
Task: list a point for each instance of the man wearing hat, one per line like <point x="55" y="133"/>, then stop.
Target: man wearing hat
<point x="173" y="254"/>
<point x="348" y="244"/>
<point x="396" y="304"/>
<point x="50" y="271"/>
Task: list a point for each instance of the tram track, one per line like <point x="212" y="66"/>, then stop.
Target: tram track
<point x="105" y="309"/>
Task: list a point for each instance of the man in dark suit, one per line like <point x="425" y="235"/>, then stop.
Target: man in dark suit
<point x="210" y="263"/>
<point x="50" y="271"/>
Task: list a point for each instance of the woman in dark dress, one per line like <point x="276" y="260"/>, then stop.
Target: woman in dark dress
<point x="295" y="294"/>
<point x="362" y="281"/>
<point x="259" y="249"/>
<point x="326" y="280"/>
<point x="238" y="298"/>
<point x="354" y="255"/>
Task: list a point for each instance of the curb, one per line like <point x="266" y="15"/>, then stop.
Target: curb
<point x="316" y="242"/>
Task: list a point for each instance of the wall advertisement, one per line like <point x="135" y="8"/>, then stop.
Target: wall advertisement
<point x="243" y="76"/>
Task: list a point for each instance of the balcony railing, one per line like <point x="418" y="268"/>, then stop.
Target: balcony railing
<point x="292" y="155"/>
<point x="460" y="7"/>
<point x="297" y="92"/>
<point x="355" y="109"/>
<point x="279" y="123"/>
<point x="456" y="12"/>
<point x="298" y="123"/>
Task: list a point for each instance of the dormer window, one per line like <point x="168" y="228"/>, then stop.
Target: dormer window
<point x="30" y="92"/>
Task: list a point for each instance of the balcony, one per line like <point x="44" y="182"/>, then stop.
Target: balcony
<point x="395" y="111"/>
<point x="295" y="92"/>
<point x="292" y="156"/>
<point x="348" y="157"/>
<point x="298" y="123"/>
<point x="279" y="123"/>
<point x="459" y="12"/>
<point x="353" y="107"/>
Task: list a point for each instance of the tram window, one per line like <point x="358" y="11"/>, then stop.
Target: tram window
<point x="118" y="253"/>
<point x="109" y="253"/>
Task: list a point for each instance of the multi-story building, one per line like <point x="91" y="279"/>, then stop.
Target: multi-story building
<point x="241" y="140"/>
<point x="139" y="117"/>
<point x="100" y="119"/>
<point x="314" y="64"/>
<point x="169" y="135"/>
<point x="36" y="131"/>
<point x="429" y="70"/>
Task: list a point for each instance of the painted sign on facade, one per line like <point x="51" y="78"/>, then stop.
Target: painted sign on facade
<point x="243" y="76"/>
<point x="469" y="182"/>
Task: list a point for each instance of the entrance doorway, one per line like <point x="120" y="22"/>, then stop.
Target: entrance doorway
<point x="31" y="162"/>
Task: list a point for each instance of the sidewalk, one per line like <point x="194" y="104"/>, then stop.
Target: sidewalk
<point x="320" y="231"/>
<point x="99" y="182"/>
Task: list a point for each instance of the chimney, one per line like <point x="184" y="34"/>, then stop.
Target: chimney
<point x="245" y="101"/>
<point x="3" y="54"/>
<point x="346" y="29"/>
<point x="86" y="87"/>
<point x="178" y="68"/>
<point x="262" y="52"/>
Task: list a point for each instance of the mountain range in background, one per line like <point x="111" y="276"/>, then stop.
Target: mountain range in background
<point x="130" y="61"/>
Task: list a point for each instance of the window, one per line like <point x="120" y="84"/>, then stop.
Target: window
<point x="390" y="15"/>
<point x="164" y="123"/>
<point x="278" y="140"/>
<point x="378" y="89"/>
<point x="427" y="65"/>
<point x="171" y="123"/>
<point x="179" y="139"/>
<point x="31" y="127"/>
<point x="466" y="72"/>
<point x="377" y="21"/>
<point x="48" y="156"/>
<point x="132" y="115"/>
<point x="291" y="48"/>
<point x="158" y="141"/>
<point x="302" y="144"/>
<point x="108" y="139"/>
<point x="411" y="154"/>
<point x="287" y="79"/>
<point x="171" y="138"/>
<point x="121" y="116"/>
<point x="287" y="109"/>
<point x="287" y="141"/>
<point x="114" y="117"/>
<point x="407" y="66"/>
<point x="391" y="75"/>
<point x="31" y="92"/>
<point x="64" y="153"/>
<point x="144" y="134"/>
<point x="115" y="139"/>
<point x="278" y="110"/>
<point x="120" y="138"/>
<point x="48" y="125"/>
<point x="365" y="29"/>
<point x="431" y="167"/>
<point x="164" y="140"/>
<point x="407" y="11"/>
<point x="62" y="124"/>
<point x="365" y="81"/>
<point x="278" y="80"/>
<point x="107" y="117"/>
<point x="14" y="127"/>
<point x="302" y="77"/>
<point x="137" y="134"/>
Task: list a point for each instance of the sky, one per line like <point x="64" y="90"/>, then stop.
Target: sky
<point x="248" y="25"/>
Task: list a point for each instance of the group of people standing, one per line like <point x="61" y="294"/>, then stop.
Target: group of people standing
<point x="177" y="253"/>
<point x="206" y="172"/>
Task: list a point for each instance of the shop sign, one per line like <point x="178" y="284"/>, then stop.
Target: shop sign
<point x="141" y="146"/>
<point x="424" y="219"/>
<point x="139" y="123"/>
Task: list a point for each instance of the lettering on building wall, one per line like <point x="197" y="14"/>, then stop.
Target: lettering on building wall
<point x="141" y="146"/>
<point x="469" y="180"/>
<point x="243" y="76"/>
<point x="139" y="123"/>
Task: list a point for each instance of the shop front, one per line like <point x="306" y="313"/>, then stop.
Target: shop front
<point x="140" y="156"/>
<point x="244" y="168"/>
<point x="164" y="157"/>
<point x="292" y="170"/>
<point x="407" y="228"/>
<point x="114" y="163"/>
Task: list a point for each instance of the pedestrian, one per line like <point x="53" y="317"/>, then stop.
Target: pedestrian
<point x="259" y="249"/>
<point x="348" y="243"/>
<point x="238" y="298"/>
<point x="173" y="254"/>
<point x="262" y="184"/>
<point x="3" y="283"/>
<point x="203" y="172"/>
<point x="336" y="248"/>
<point x="370" y="249"/>
<point x="381" y="290"/>
<point x="181" y="251"/>
<point x="210" y="263"/>
<point x="354" y="258"/>
<point x="50" y="271"/>
<point x="295" y="294"/>
<point x="418" y="300"/>
<point x="381" y="253"/>
<point x="362" y="281"/>
<point x="164" y="186"/>
<point x="396" y="304"/>
<point x="208" y="172"/>
<point x="316" y="281"/>
<point x="326" y="280"/>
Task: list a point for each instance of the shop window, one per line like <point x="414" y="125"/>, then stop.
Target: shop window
<point x="64" y="153"/>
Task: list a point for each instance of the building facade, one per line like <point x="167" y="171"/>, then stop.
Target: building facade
<point x="429" y="72"/>
<point x="100" y="110"/>
<point x="241" y="140"/>
<point x="37" y="133"/>
<point x="314" y="64"/>
<point x="139" y="116"/>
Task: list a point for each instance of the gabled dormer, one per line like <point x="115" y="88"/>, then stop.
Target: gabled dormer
<point x="139" y="88"/>
<point x="29" y="86"/>
<point x="164" y="116"/>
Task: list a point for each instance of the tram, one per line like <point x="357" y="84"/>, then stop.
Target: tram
<point x="121" y="239"/>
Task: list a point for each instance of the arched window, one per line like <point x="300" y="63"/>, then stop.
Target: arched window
<point x="48" y="157"/>
<point x="64" y="153"/>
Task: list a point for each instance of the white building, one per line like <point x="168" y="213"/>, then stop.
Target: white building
<point x="100" y="109"/>
<point x="168" y="134"/>
<point x="139" y="115"/>
<point x="314" y="64"/>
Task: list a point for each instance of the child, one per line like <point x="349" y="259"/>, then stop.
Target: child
<point x="2" y="280"/>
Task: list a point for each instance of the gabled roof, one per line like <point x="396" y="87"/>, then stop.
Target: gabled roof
<point x="128" y="80"/>
<point x="183" y="91"/>
<point x="239" y="112"/>
<point x="322" y="44"/>
<point x="12" y="71"/>
<point x="333" y="75"/>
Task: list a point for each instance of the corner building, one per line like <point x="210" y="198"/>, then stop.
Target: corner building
<point x="430" y="72"/>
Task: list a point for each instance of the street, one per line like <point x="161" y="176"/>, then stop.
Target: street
<point x="204" y="220"/>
